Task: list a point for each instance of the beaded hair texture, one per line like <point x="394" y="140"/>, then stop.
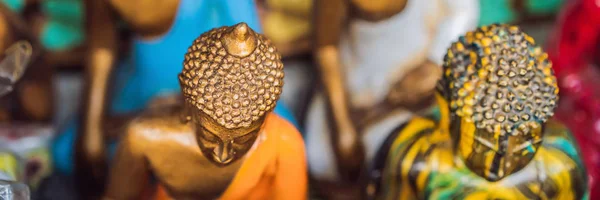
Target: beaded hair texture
<point x="497" y="78"/>
<point x="233" y="75"/>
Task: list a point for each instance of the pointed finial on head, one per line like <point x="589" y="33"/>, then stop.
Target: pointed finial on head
<point x="241" y="30"/>
<point x="240" y="40"/>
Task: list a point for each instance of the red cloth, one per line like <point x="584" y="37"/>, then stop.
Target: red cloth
<point x="574" y="51"/>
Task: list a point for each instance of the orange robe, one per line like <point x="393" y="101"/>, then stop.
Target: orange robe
<point x="274" y="169"/>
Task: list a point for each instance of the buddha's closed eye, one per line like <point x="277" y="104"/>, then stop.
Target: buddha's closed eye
<point x="208" y="136"/>
<point x="245" y="138"/>
<point x="486" y="143"/>
<point x="527" y="147"/>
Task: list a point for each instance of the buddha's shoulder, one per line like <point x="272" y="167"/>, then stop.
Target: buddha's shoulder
<point x="416" y="127"/>
<point x="558" y="142"/>
<point x="414" y="134"/>
<point x="164" y="120"/>
<point x="281" y="128"/>
<point x="554" y="128"/>
<point x="558" y="136"/>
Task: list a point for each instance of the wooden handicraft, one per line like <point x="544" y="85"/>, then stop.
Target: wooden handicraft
<point x="495" y="138"/>
<point x="379" y="61"/>
<point x="223" y="141"/>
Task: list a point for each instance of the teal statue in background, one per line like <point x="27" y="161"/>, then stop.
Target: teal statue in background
<point x="63" y="22"/>
<point x="515" y="11"/>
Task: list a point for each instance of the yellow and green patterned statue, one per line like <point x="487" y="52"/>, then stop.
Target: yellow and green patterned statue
<point x="495" y="138"/>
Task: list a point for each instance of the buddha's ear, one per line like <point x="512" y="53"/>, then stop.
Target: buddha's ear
<point x="181" y="82"/>
<point x="441" y="86"/>
<point x="186" y="115"/>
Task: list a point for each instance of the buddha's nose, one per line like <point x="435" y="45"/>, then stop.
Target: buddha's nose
<point x="223" y="153"/>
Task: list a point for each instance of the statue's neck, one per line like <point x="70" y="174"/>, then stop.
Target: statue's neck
<point x="451" y="127"/>
<point x="444" y="123"/>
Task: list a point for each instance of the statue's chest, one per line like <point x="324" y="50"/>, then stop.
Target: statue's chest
<point x="461" y="183"/>
<point x="377" y="54"/>
<point x="185" y="173"/>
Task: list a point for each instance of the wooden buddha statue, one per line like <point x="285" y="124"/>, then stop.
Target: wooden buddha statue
<point x="115" y="91"/>
<point x="495" y="139"/>
<point x="376" y="58"/>
<point x="223" y="140"/>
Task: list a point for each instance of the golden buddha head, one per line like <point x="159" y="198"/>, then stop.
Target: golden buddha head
<point x="232" y="79"/>
<point x="500" y="89"/>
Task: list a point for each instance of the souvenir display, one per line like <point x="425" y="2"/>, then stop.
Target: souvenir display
<point x="518" y="11"/>
<point x="376" y="58"/>
<point x="288" y="24"/>
<point x="222" y="140"/>
<point x="496" y="138"/>
<point x="396" y="99"/>
<point x="160" y="35"/>
<point x="574" y="50"/>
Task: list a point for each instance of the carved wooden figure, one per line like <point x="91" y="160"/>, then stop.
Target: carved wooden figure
<point x="223" y="140"/>
<point x="495" y="138"/>
<point x="376" y="59"/>
<point x="116" y="91"/>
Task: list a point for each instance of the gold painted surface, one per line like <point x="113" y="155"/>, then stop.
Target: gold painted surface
<point x="465" y="156"/>
<point x="508" y="93"/>
<point x="232" y="74"/>
<point x="222" y="141"/>
<point x="426" y="165"/>
<point x="159" y="143"/>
